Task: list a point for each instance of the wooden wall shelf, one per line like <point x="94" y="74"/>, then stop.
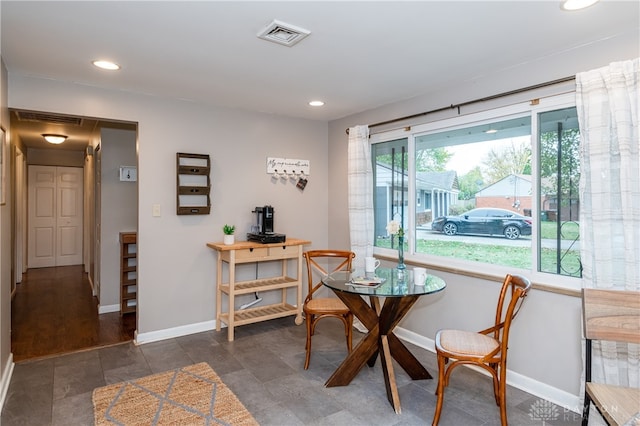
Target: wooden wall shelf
<point x="193" y="184"/>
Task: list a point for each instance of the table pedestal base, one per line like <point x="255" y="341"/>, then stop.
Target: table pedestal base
<point x="379" y="340"/>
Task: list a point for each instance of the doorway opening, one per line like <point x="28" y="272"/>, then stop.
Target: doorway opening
<point x="66" y="280"/>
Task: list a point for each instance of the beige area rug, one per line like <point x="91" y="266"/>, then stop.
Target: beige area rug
<point x="192" y="395"/>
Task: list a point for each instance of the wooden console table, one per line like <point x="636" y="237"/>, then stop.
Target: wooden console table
<point x="248" y="252"/>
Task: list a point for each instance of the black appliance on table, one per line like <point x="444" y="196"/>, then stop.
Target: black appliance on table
<point x="262" y="232"/>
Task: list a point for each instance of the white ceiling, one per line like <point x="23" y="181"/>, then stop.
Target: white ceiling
<point x="360" y="55"/>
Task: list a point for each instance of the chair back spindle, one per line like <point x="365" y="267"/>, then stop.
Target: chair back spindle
<point x="321" y="263"/>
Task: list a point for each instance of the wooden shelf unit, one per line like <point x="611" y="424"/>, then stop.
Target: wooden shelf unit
<point x="193" y="184"/>
<point x="250" y="252"/>
<point x="128" y="272"/>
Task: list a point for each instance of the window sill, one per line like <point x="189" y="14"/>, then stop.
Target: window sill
<point x="490" y="273"/>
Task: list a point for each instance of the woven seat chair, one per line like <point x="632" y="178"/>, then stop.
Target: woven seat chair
<point x="317" y="308"/>
<point x="486" y="349"/>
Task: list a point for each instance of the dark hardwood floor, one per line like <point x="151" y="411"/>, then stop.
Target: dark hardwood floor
<point x="53" y="312"/>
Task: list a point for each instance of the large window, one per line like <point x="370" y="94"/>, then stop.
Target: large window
<point x="499" y="188"/>
<point x="390" y="196"/>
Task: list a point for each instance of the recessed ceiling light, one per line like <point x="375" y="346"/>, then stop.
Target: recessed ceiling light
<point x="54" y="139"/>
<point x="491" y="131"/>
<point x="577" y="4"/>
<point x="106" y="65"/>
<point x="316" y="103"/>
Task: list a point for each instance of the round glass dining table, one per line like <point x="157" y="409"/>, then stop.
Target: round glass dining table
<point x="395" y="283"/>
<point x="398" y="294"/>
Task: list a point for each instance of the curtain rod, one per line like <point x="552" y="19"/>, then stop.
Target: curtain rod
<point x="488" y="98"/>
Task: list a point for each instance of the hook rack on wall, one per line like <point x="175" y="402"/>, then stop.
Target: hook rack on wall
<point x="285" y="174"/>
<point x="287" y="168"/>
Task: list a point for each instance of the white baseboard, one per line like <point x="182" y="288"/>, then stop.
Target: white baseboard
<point x="559" y="397"/>
<point x="5" y="380"/>
<point x="105" y="309"/>
<point x="154" y="336"/>
<point x="93" y="288"/>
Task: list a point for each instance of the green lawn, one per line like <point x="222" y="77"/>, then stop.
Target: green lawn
<point x="569" y="230"/>
<point x="499" y="254"/>
<point x="517" y="257"/>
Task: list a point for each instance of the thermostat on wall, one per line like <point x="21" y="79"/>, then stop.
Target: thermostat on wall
<point x="128" y="173"/>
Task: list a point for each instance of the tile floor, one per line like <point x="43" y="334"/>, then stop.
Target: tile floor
<point x="263" y="366"/>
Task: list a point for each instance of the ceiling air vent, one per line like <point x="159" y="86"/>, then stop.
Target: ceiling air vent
<point x="48" y="118"/>
<point x="282" y="33"/>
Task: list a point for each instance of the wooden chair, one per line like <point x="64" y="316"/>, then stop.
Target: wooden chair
<point x="610" y="315"/>
<point x="316" y="308"/>
<point x="486" y="349"/>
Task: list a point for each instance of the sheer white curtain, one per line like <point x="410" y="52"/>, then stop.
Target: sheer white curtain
<point x="607" y="103"/>
<point x="360" y="181"/>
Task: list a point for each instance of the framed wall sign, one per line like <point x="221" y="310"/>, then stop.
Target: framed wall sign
<point x="128" y="173"/>
<point x="4" y="166"/>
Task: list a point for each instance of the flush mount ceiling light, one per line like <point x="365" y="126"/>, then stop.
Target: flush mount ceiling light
<point x="106" y="65"/>
<point x="577" y="4"/>
<point x="283" y="33"/>
<point x="316" y="103"/>
<point x="54" y="139"/>
<point x="491" y="131"/>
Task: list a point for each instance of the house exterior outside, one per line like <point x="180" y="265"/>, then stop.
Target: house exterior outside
<point x="513" y="192"/>
<point x="435" y="193"/>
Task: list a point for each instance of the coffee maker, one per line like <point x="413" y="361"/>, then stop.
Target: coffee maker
<point x="265" y="219"/>
<point x="262" y="232"/>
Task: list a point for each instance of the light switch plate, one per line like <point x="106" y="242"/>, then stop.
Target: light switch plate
<point x="128" y="173"/>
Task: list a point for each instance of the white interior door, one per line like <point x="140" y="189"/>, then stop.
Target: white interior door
<point x="69" y="216"/>
<point x="55" y="216"/>
<point x="42" y="216"/>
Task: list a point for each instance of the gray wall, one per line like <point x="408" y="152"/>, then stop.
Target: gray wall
<point x="119" y="209"/>
<point x="55" y="157"/>
<point x="6" y="364"/>
<point x="176" y="271"/>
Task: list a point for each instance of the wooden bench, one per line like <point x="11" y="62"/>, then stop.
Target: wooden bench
<point x="610" y="315"/>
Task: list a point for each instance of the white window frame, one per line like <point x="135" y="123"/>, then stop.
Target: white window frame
<point x="541" y="279"/>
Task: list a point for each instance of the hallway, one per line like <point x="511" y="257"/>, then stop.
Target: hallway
<point x="53" y="312"/>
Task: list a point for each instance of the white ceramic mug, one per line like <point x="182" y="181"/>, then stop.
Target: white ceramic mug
<point x="371" y="264"/>
<point x="419" y="276"/>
